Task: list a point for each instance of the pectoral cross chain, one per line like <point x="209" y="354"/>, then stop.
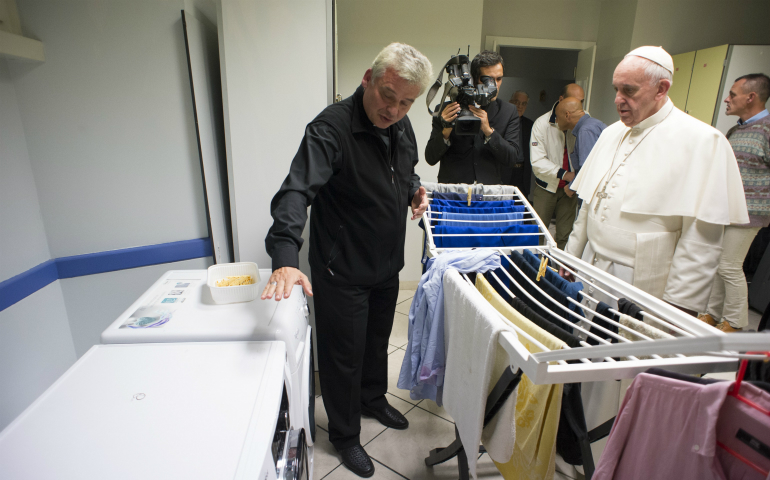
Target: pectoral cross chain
<point x="601" y="195"/>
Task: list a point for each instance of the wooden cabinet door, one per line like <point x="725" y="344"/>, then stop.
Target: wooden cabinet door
<point x="682" y="73"/>
<point x="704" y="85"/>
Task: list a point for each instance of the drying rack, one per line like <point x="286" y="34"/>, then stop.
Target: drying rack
<point x="696" y="348"/>
<point x="431" y="217"/>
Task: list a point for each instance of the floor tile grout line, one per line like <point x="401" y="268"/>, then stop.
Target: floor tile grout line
<point x="565" y="474"/>
<point x="435" y="414"/>
<point x="332" y="471"/>
<point x="402" y="476"/>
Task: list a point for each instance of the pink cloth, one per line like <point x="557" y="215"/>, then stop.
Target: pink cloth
<point x="667" y="429"/>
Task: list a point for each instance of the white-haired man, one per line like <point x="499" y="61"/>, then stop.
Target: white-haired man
<point x="355" y="166"/>
<point x="657" y="189"/>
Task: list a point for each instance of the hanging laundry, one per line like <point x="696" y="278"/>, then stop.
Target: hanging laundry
<point x="475" y="360"/>
<point x="521" y="307"/>
<point x="572" y="426"/>
<point x="551" y="292"/>
<point x="641" y="327"/>
<point x="422" y="372"/>
<point x="630" y="308"/>
<point x="570" y="289"/>
<point x="538" y="407"/>
<point x="446" y="219"/>
<point x="603" y="309"/>
<point x="490" y="236"/>
<point x="479" y="211"/>
<point x="668" y="428"/>
<point x="475" y="197"/>
<point x="490" y="192"/>
<point x="474" y="204"/>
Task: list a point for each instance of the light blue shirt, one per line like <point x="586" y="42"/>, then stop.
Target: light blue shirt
<point x="756" y="117"/>
<point x="586" y="132"/>
<point x="422" y="372"/>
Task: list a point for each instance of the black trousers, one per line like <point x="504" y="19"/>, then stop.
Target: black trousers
<point x="353" y="325"/>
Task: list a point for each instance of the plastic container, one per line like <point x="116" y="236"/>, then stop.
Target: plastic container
<point x="236" y="294"/>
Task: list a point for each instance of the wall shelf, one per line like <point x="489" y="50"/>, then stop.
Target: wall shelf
<point x="19" y="47"/>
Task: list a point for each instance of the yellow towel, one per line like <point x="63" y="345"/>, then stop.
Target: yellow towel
<point x="538" y="406"/>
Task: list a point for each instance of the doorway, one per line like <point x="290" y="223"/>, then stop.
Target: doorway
<point x="540" y="72"/>
<point x="542" y="67"/>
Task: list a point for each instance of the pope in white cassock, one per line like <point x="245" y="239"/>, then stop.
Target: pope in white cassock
<point x="657" y="189"/>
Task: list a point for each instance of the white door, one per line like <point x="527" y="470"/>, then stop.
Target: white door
<point x="584" y="72"/>
<point x="203" y="62"/>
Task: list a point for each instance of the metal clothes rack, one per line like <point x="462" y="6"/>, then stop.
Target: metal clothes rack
<point x="696" y="348"/>
<point x="431" y="217"/>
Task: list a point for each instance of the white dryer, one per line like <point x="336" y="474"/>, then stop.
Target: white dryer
<point x="203" y="411"/>
<point x="181" y="299"/>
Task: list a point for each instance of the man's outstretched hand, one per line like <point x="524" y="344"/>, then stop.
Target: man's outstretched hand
<point x="285" y="278"/>
<point x="419" y="203"/>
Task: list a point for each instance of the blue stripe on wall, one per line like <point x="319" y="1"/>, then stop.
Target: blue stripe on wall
<point x="21" y="286"/>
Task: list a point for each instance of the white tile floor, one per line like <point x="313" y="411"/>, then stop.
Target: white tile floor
<point x="399" y="454"/>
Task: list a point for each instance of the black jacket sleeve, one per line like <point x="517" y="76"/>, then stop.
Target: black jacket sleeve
<point x="316" y="161"/>
<point x="506" y="148"/>
<point x="414" y="179"/>
<point x="436" y="146"/>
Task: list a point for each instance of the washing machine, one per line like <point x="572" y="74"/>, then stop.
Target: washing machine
<point x="208" y="411"/>
<point x="181" y="302"/>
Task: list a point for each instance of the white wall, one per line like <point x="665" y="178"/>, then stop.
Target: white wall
<point x="550" y="19"/>
<point x="364" y="27"/>
<point x="685" y="25"/>
<point x="95" y="301"/>
<point x="97" y="152"/>
<point x="273" y="58"/>
<point x="108" y="119"/>
<point x="35" y="341"/>
<point x="23" y="242"/>
<point x="616" y="27"/>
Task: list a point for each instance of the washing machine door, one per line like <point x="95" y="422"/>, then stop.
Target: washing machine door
<point x="293" y="462"/>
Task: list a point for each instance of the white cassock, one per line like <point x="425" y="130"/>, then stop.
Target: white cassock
<point x="656" y="198"/>
<point x="672" y="184"/>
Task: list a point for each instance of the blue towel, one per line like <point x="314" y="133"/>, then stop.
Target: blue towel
<point x="486" y="241"/>
<point x="422" y="372"/>
<point x="479" y="211"/>
<point x="475" y="197"/>
<point x="570" y="289"/>
<point x="482" y="204"/>
<point x="477" y="223"/>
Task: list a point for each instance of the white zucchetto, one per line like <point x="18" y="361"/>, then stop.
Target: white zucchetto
<point x="654" y="54"/>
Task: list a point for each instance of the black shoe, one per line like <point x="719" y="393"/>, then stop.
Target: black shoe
<point x="357" y="461"/>
<point x="388" y="416"/>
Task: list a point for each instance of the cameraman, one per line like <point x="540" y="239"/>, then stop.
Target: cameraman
<point x="490" y="154"/>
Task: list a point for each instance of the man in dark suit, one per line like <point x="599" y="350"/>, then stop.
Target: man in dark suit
<point x="521" y="176"/>
<point x="489" y="156"/>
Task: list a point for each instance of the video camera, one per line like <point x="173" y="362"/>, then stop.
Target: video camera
<point x="460" y="88"/>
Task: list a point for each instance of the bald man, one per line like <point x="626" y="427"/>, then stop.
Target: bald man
<point x="586" y="130"/>
<point x="549" y="153"/>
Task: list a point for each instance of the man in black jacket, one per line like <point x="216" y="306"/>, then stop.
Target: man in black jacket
<point x="355" y="166"/>
<point x="491" y="153"/>
<point x="522" y="172"/>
